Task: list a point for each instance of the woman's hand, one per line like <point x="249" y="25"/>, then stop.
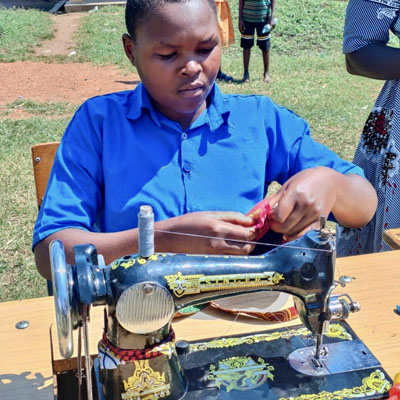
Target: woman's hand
<point x="224" y="232"/>
<point x="299" y="203"/>
<point x="315" y="192"/>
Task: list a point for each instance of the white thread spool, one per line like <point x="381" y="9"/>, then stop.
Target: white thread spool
<point x="146" y="231"/>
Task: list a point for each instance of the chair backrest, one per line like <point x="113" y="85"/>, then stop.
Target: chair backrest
<point x="42" y="158"/>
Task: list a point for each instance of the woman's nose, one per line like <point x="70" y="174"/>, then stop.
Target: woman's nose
<point x="192" y="67"/>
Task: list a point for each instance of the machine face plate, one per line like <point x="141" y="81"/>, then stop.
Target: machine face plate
<point x="341" y="357"/>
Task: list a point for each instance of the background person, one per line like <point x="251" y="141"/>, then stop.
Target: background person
<point x="366" y="34"/>
<point x="256" y="16"/>
<point x="225" y="27"/>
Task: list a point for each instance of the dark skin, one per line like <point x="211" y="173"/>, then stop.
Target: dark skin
<point x="375" y="61"/>
<point x="177" y="54"/>
<point x="177" y="63"/>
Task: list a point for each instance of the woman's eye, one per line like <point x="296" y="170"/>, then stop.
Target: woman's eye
<point x="166" y="56"/>
<point x="207" y="50"/>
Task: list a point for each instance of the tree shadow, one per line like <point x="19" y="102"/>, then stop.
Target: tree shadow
<point x="22" y="385"/>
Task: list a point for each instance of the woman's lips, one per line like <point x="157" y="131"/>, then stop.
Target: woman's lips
<point x="190" y="91"/>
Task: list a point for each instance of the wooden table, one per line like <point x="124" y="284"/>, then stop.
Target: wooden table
<point x="25" y="355"/>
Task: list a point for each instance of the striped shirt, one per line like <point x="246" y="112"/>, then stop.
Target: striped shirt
<point x="256" y="10"/>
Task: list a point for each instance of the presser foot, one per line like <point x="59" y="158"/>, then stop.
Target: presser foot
<point x="334" y="358"/>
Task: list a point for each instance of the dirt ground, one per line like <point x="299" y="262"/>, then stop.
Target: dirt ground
<point x="70" y="82"/>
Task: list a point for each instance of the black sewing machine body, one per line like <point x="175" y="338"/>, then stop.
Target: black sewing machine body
<point x="142" y="294"/>
<point x="195" y="279"/>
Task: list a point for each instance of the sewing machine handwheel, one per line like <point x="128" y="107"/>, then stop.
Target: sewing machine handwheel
<point x="60" y="275"/>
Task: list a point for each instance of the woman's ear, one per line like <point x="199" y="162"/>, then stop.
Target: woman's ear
<point x="129" y="47"/>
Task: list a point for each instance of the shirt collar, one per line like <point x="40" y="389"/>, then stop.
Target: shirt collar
<point x="141" y="101"/>
<point x="214" y="115"/>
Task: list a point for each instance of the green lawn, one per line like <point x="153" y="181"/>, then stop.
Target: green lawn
<point x="308" y="76"/>
<point x="20" y="31"/>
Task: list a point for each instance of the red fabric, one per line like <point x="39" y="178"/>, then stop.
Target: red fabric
<point x="261" y="212"/>
<point x="136" y="354"/>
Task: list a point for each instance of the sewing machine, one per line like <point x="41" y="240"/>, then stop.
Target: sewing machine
<point x="139" y="358"/>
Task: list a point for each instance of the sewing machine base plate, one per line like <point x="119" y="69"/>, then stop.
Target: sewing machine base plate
<point x="263" y="366"/>
<point x="256" y="366"/>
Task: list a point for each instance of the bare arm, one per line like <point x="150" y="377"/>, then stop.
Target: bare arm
<point x="226" y="225"/>
<point x="318" y="191"/>
<point x="375" y="61"/>
<point x="273" y="6"/>
<point x="241" y="24"/>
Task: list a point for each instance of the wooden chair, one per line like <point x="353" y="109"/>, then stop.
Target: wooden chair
<point x="42" y="158"/>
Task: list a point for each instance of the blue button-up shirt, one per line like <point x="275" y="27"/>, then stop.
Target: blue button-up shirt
<point x="119" y="153"/>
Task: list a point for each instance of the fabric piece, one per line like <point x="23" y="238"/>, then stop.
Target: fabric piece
<point x="128" y="355"/>
<point x="378" y="152"/>
<point x="275" y="316"/>
<point x="261" y="212"/>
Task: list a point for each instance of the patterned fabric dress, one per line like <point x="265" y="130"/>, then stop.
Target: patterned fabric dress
<point x="378" y="152"/>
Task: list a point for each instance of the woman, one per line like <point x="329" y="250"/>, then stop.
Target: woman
<point x="366" y="34"/>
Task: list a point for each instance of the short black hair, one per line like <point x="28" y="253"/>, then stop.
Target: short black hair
<point x="137" y="11"/>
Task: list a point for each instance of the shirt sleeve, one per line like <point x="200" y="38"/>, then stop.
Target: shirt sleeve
<point x="292" y="149"/>
<point x="368" y="22"/>
<point x="74" y="191"/>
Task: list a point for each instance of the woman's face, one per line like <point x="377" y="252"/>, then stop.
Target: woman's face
<point x="177" y="54"/>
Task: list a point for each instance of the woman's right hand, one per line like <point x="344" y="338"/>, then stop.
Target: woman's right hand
<point x="224" y="232"/>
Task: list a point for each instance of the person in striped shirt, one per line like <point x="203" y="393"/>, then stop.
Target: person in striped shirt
<point x="256" y="16"/>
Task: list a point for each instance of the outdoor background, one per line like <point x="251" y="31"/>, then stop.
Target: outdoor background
<point x="307" y="70"/>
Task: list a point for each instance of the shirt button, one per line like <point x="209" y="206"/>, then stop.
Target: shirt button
<point x="187" y="167"/>
<point x="184" y="135"/>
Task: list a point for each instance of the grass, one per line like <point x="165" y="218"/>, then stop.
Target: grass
<point x="48" y="109"/>
<point x="99" y="38"/>
<point x="18" y="275"/>
<point x="20" y="31"/>
<point x="308" y="76"/>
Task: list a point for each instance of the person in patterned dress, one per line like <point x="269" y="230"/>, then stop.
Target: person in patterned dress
<point x="366" y="35"/>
